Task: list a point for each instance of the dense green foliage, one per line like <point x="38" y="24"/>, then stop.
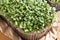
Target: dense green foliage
<point x="30" y="15"/>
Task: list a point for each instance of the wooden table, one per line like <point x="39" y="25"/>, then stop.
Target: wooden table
<point x="3" y="37"/>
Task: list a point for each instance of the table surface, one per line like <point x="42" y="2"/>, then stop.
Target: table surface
<point x="4" y="37"/>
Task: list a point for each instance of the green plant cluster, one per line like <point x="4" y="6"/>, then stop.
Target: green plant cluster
<point x="30" y="15"/>
<point x="56" y="1"/>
